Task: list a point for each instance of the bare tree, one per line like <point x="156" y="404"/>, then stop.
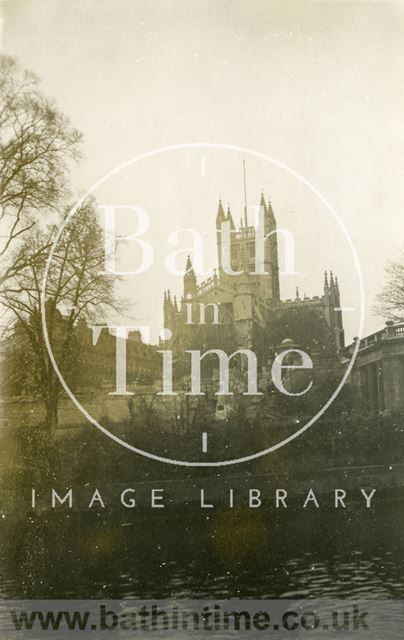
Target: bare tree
<point x="36" y="144"/>
<point x="390" y="301"/>
<point x="75" y="289"/>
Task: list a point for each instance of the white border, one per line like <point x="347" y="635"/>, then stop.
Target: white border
<point x="228" y="147"/>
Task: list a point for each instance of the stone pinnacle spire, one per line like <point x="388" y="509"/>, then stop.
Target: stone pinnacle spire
<point x="220" y="216"/>
<point x="229" y="218"/>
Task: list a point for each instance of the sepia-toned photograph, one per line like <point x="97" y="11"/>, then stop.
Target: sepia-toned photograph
<point x="202" y="318"/>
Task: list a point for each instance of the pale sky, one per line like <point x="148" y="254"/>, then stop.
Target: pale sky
<point x="316" y="85"/>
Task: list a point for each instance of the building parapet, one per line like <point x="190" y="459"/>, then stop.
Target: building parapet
<point x="303" y="301"/>
<point x="244" y="233"/>
<point x="389" y="332"/>
<point x="207" y="285"/>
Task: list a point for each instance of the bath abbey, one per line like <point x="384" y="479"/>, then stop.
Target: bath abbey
<point x="240" y="305"/>
<point x="238" y="309"/>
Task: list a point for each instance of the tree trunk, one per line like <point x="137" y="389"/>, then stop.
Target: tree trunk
<point x="51" y="417"/>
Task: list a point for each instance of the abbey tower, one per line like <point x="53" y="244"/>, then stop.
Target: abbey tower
<point x="239" y="303"/>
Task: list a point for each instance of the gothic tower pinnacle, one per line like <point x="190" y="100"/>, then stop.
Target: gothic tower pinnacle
<point x="190" y="286"/>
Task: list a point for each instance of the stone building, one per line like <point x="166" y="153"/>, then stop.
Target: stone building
<point x="378" y="374"/>
<point x="246" y="310"/>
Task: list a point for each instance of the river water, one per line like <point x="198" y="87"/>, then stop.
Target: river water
<point x="186" y="552"/>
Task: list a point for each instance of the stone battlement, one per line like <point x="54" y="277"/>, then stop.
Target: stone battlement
<point x="207" y="285"/>
<point x="303" y="301"/>
<point x="244" y="233"/>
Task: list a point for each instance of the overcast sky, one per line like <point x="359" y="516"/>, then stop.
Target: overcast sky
<point x="318" y="86"/>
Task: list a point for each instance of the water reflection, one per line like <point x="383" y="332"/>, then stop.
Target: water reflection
<point x="187" y="553"/>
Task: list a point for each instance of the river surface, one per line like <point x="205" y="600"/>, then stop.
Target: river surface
<point x="186" y="552"/>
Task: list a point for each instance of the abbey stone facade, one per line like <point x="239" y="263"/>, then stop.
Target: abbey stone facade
<point x="251" y="313"/>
